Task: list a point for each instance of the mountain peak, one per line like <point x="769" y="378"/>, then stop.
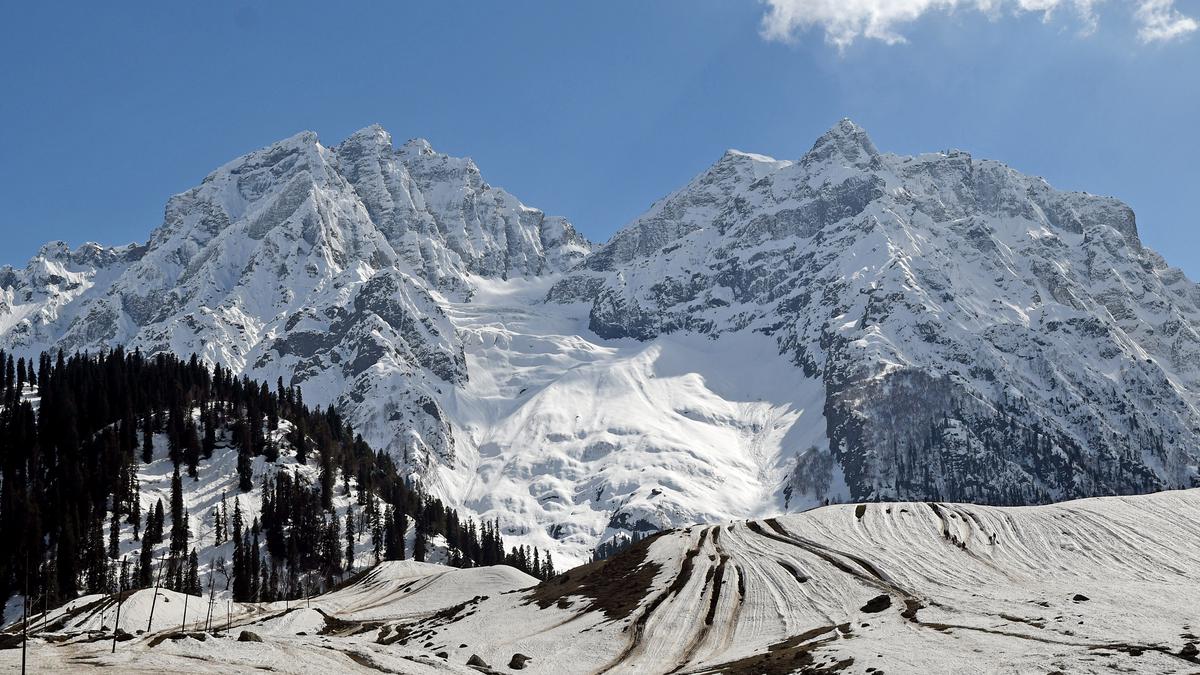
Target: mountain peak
<point x="845" y="141"/>
<point x="747" y="164"/>
<point x="303" y="138"/>
<point x="374" y="133"/>
<point x="369" y="142"/>
<point x="416" y="147"/>
<point x="735" y="155"/>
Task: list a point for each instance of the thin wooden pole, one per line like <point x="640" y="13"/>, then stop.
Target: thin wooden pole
<point x="208" y="617"/>
<point x="24" y="628"/>
<point x="157" y="584"/>
<point x="117" y="625"/>
<point x="25" y="615"/>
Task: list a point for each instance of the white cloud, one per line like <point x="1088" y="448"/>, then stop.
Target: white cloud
<point x="845" y="21"/>
<point x="1160" y="21"/>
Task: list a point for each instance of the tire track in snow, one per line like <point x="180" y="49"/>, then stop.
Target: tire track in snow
<point x="637" y="629"/>
<point x="715" y="584"/>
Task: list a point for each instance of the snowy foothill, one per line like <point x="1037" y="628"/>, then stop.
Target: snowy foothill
<point x="1095" y="585"/>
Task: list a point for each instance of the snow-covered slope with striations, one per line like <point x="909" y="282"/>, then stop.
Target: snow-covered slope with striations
<point x="848" y="325"/>
<point x="1097" y="585"/>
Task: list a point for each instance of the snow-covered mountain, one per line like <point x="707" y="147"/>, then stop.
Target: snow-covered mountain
<point x="326" y="266"/>
<point x="977" y="334"/>
<point x="848" y="325"/>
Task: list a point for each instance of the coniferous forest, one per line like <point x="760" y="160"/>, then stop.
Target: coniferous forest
<point x="74" y="432"/>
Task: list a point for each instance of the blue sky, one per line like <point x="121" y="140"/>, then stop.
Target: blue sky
<point x="587" y="110"/>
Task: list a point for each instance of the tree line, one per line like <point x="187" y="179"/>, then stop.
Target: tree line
<point x="74" y="432"/>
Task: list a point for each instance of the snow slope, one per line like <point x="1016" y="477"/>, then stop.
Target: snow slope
<point x="579" y="438"/>
<point x="1097" y="585"/>
<point x="848" y="325"/>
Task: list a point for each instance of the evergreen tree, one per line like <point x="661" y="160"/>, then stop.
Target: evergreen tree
<point x="376" y="531"/>
<point x="159" y="523"/>
<point x="209" y="444"/>
<point x="192" y="582"/>
<point x="253" y="563"/>
<point x="349" y="539"/>
<point x="114" y="535"/>
<point x="241" y="581"/>
<point x="178" y="519"/>
<point x="224" y="518"/>
<point x="147" y="442"/>
<point x="244" y="470"/>
<point x="135" y="509"/>
<point x="191" y="448"/>
<point x="420" y="546"/>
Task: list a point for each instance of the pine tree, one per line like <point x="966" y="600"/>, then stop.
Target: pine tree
<point x="191" y="448"/>
<point x="419" y="546"/>
<point x="252" y="563"/>
<point x="349" y="538"/>
<point x="245" y="471"/>
<point x="300" y="441"/>
<point x="241" y="581"/>
<point x="224" y="518"/>
<point x="147" y="442"/>
<point x="135" y="508"/>
<point x="331" y="546"/>
<point x="159" y="522"/>
<point x="215" y="515"/>
<point x="376" y="531"/>
<point x="210" y="436"/>
<point x="266" y="592"/>
<point x="114" y="535"/>
<point x="273" y="582"/>
<point x="178" y="524"/>
<point x="192" y="582"/>
<point x="391" y="550"/>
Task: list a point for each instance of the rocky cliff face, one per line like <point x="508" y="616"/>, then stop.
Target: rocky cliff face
<point x="324" y="266"/>
<point x="847" y="325"/>
<point x="980" y="335"/>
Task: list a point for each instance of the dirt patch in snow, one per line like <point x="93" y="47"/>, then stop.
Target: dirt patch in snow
<point x="793" y="655"/>
<point x="616" y="586"/>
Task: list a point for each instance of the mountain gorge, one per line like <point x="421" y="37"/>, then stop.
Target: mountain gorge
<point x="851" y="325"/>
